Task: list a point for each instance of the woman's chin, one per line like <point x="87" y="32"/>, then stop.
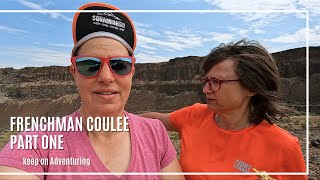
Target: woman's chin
<point x="212" y="106"/>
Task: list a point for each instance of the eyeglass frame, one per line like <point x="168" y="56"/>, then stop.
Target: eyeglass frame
<point x="205" y="80"/>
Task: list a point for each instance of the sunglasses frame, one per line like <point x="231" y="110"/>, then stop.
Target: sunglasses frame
<point x="103" y="61"/>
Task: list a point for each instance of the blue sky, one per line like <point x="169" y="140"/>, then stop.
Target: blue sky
<point x="44" y="39"/>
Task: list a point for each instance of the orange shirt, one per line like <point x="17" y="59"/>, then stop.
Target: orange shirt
<point x="207" y="148"/>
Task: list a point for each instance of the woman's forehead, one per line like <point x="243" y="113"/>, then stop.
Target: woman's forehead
<point x="103" y="44"/>
<point x="223" y="69"/>
<point x="103" y="41"/>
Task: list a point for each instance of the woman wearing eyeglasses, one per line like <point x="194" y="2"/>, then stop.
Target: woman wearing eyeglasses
<point x="102" y="65"/>
<point x="234" y="131"/>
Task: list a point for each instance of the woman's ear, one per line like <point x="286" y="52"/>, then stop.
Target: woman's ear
<point x="251" y="93"/>
<point x="72" y="70"/>
<point x="133" y="71"/>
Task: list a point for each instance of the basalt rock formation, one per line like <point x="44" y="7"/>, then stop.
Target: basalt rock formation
<point x="162" y="86"/>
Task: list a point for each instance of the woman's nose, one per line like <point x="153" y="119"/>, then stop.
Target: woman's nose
<point x="206" y="88"/>
<point x="105" y="74"/>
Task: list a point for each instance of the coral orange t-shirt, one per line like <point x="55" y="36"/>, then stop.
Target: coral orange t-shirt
<point x="207" y="148"/>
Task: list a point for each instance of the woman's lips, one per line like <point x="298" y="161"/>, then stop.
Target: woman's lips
<point x="210" y="99"/>
<point x="106" y="94"/>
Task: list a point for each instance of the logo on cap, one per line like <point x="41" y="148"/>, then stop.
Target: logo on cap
<point x="108" y="20"/>
<point x="109" y="14"/>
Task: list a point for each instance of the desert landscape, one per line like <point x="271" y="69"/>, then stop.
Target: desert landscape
<point x="164" y="87"/>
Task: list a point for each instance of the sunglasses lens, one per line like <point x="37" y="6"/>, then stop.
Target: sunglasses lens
<point x="88" y="66"/>
<point x="121" y="65"/>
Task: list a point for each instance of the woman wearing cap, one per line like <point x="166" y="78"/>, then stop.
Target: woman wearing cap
<point x="103" y="67"/>
<point x="234" y="131"/>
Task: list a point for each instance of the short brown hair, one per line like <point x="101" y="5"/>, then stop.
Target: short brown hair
<point x="258" y="72"/>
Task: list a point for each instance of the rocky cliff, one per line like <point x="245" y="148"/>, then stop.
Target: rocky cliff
<point x="50" y="91"/>
<point x="162" y="86"/>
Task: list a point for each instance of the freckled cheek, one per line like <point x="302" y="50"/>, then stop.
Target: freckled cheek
<point x="234" y="99"/>
<point x="125" y="88"/>
<point x="124" y="84"/>
<point x="223" y="97"/>
<point x="83" y="87"/>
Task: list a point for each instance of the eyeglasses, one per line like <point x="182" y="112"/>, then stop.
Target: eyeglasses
<point x="90" y="67"/>
<point x="214" y="84"/>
